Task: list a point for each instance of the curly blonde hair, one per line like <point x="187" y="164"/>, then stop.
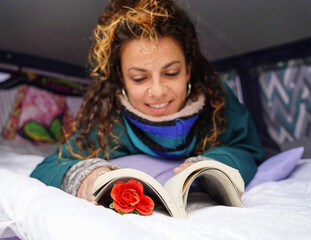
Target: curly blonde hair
<point x="125" y="20"/>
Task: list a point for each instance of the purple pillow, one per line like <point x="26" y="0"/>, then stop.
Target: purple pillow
<point x="277" y="167"/>
<point x="160" y="169"/>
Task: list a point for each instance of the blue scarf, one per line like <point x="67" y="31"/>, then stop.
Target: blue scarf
<point x="169" y="137"/>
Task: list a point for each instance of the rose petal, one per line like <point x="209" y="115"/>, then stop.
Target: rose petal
<point x="125" y="208"/>
<point x="132" y="184"/>
<point x="117" y="189"/>
<point x="146" y="206"/>
<point x="131" y="197"/>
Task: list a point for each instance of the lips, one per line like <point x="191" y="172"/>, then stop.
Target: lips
<point x="157" y="106"/>
<point x="159" y="109"/>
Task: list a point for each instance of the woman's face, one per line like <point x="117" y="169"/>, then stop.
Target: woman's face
<point x="155" y="76"/>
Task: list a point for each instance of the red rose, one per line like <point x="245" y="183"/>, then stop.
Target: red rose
<point x="129" y="196"/>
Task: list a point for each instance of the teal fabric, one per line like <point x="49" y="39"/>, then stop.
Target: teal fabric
<point x="240" y="147"/>
<point x="170" y="144"/>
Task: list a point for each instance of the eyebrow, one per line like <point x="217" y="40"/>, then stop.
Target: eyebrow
<point x="144" y="70"/>
<point x="170" y="64"/>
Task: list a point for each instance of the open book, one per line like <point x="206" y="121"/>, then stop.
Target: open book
<point x="224" y="184"/>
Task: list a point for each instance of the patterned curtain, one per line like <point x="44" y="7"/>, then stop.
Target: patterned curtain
<point x="234" y="82"/>
<point x="286" y="100"/>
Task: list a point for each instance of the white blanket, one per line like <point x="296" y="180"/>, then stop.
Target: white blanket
<point x="31" y="210"/>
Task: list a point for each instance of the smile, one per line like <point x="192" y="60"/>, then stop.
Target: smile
<point x="162" y="105"/>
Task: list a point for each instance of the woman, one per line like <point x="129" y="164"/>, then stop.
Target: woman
<point x="152" y="92"/>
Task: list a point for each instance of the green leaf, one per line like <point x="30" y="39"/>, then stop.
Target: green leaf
<point x="56" y="128"/>
<point x="136" y="212"/>
<point x="37" y="132"/>
<point x="157" y="208"/>
<point x="121" y="213"/>
<point x="111" y="205"/>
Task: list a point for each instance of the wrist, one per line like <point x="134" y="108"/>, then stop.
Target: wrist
<point x="78" y="172"/>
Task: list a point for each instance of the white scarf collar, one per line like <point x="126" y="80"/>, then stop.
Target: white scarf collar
<point x="190" y="108"/>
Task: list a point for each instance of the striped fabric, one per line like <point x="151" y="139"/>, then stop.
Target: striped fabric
<point x="167" y="139"/>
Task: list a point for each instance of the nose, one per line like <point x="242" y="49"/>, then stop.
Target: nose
<point x="157" y="89"/>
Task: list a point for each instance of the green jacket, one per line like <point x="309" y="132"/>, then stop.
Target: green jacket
<point x="240" y="147"/>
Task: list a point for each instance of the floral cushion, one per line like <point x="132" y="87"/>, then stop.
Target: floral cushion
<point x="37" y="116"/>
<point x="33" y="108"/>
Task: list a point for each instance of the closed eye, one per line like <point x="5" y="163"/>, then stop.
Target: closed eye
<point x="138" y="79"/>
<point x="172" y="74"/>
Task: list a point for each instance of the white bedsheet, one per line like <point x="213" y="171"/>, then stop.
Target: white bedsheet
<point x="31" y="210"/>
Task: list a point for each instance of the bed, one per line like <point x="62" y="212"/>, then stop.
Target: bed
<point x="276" y="203"/>
<point x="278" y="209"/>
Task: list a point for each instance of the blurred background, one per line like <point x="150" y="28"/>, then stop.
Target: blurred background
<point x="262" y="49"/>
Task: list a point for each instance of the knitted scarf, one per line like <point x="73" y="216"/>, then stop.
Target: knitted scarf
<point x="170" y="137"/>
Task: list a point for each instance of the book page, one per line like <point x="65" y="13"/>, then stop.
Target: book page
<point x="219" y="186"/>
<point x="178" y="186"/>
<point x="105" y="182"/>
<point x="215" y="183"/>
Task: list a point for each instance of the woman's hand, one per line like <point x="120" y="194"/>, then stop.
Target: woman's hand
<point x="182" y="167"/>
<point x="85" y="189"/>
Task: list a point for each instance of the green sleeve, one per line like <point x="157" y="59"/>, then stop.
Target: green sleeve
<point x="240" y="147"/>
<point x="52" y="169"/>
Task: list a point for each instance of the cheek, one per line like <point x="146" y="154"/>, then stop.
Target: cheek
<point x="135" y="94"/>
<point x="179" y="89"/>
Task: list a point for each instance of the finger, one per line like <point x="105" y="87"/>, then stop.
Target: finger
<point x="182" y="167"/>
<point x="177" y="169"/>
<point x="91" y="198"/>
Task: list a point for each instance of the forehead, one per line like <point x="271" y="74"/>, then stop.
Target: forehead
<point x="144" y="51"/>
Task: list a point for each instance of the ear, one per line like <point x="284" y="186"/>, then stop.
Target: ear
<point x="189" y="71"/>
